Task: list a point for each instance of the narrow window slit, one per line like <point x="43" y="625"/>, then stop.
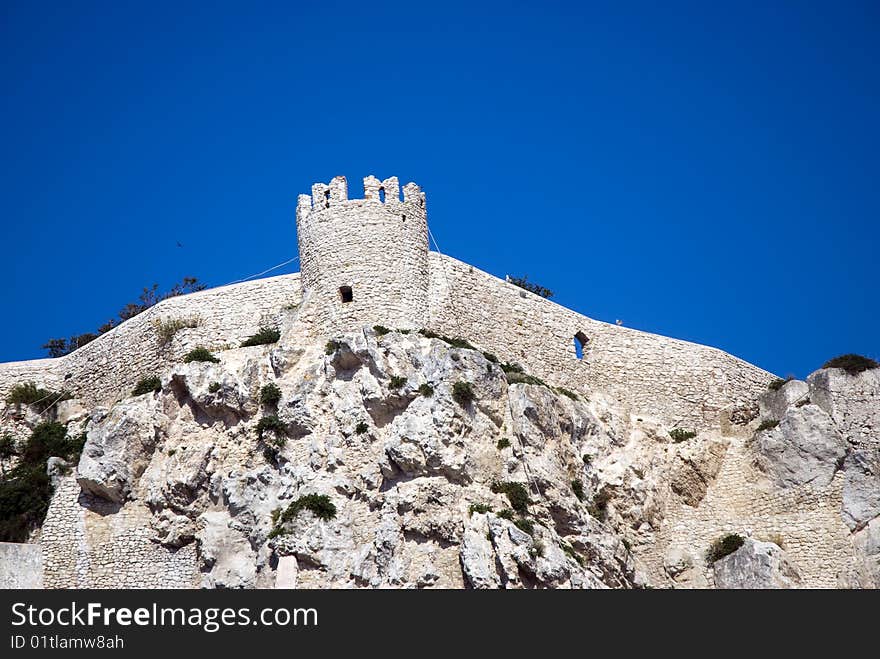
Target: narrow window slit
<point x="345" y="294"/>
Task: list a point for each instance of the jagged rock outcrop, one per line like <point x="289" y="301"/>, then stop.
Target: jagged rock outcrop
<point x="755" y="565"/>
<point x="389" y="459"/>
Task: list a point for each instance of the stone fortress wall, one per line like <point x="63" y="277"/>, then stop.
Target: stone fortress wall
<point x="378" y="248"/>
<point x="108" y="368"/>
<point x="682" y="383"/>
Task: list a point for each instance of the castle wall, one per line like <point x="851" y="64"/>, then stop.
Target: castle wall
<point x="21" y="565"/>
<point x="806" y="521"/>
<point x="682" y="383"/>
<point x="90" y="543"/>
<point x="376" y="247"/>
<point x="108" y="368"/>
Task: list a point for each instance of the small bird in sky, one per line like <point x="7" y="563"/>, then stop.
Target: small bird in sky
<point x="179" y="244"/>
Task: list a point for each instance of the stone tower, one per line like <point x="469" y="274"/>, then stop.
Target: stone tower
<point x="364" y="262"/>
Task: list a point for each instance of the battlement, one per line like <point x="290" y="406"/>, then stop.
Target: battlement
<point x="335" y="193"/>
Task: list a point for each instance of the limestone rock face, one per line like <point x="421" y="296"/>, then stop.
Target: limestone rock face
<point x="377" y="475"/>
<point x="756" y="565"/>
<point x="119" y="446"/>
<point x="806" y="447"/>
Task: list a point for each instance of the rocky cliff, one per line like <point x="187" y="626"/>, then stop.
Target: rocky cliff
<point x="390" y="459"/>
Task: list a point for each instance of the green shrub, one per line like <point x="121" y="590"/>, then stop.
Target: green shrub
<point x="525" y="525"/>
<point x="426" y="390"/>
<point x="380" y="330"/>
<point x="200" y="354"/>
<point x="26" y="490"/>
<point x="679" y="435"/>
<point x="166" y="328"/>
<point x="463" y="392"/>
<point x="578" y="488"/>
<point x="454" y="342"/>
<point x="265" y="336"/>
<point x="274" y="425"/>
<point x="30" y="394"/>
<point x="361" y="428"/>
<point x="568" y="393"/>
<point x="148" y="384"/>
<point x="777" y="384"/>
<point x="506" y="513"/>
<point x="479" y="508"/>
<point x="319" y="505"/>
<point x="724" y="546"/>
<point x="587" y="459"/>
<point x="270" y="394"/>
<point x="503" y="443"/>
<point x="509" y="368"/>
<point x="598" y="507"/>
<point x="490" y="357"/>
<point x="524" y="378"/>
<point x="516" y="494"/>
<point x="396" y="382"/>
<point x="852" y="364"/>
<point x="213" y="388"/>
<point x="331" y="347"/>
<point x="767" y="424"/>
<point x="537" y="289"/>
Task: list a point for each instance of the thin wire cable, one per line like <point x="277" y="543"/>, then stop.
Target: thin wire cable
<point x="274" y="267"/>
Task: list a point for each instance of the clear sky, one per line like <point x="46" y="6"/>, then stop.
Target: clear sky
<point x="707" y="170"/>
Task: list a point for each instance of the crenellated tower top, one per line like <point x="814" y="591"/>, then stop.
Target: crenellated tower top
<point x="364" y="261"/>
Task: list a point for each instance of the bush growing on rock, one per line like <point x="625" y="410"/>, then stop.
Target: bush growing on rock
<point x="767" y="424"/>
<point x="361" y="428"/>
<point x="396" y="382"/>
<point x="426" y="390"/>
<point x="516" y="494"/>
<point x="479" y="508"/>
<point x="598" y="507"/>
<point x="25" y="490"/>
<point x="380" y="330"/>
<point x="265" y="336"/>
<point x="270" y="394"/>
<point x="525" y="525"/>
<point x="454" y="342"/>
<point x="679" y="435"/>
<point x="30" y="394"/>
<point x="777" y="384"/>
<point x="724" y="546"/>
<point x="200" y="354"/>
<point x="578" y="488"/>
<point x="463" y="392"/>
<point x="852" y="364"/>
<point x="148" y="384"/>
<point x="331" y="347"/>
<point x="274" y="425"/>
<point x="213" y="388"/>
<point x="319" y="505"/>
<point x="503" y="443"/>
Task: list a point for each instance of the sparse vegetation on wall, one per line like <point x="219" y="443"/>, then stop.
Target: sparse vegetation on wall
<point x="777" y="384"/>
<point x="149" y="297"/>
<point x="426" y="390"/>
<point x="145" y="385"/>
<point x="166" y="328"/>
<point x="531" y="287"/>
<point x="396" y="382"/>
<point x="578" y="488"/>
<point x="767" y="424"/>
<point x="319" y="505"/>
<point x="27" y="393"/>
<point x="200" y="354"/>
<point x="265" y="336"/>
<point x="361" y="427"/>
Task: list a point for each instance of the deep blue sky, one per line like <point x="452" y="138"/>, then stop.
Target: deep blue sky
<point x="707" y="171"/>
